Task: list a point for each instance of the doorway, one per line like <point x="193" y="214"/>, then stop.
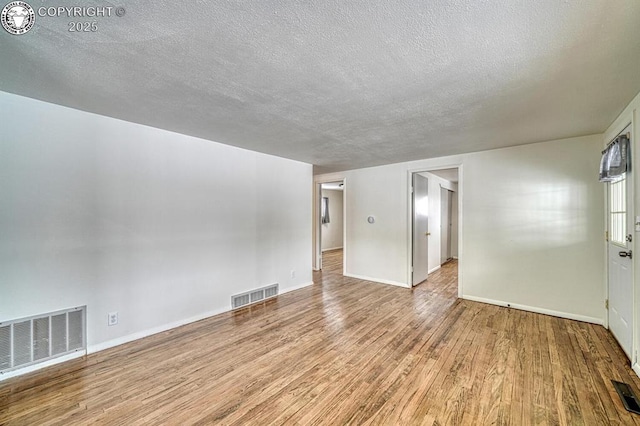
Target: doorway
<point x="330" y="214"/>
<point x="434" y="217"/>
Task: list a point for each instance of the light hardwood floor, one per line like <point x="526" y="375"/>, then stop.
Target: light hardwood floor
<point x="343" y="351"/>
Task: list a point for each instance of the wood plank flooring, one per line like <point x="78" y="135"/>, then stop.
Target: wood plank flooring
<point x="343" y="351"/>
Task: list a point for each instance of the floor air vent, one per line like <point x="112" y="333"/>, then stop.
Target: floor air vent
<point x="253" y="296"/>
<point x="36" y="339"/>
<point x="627" y="396"/>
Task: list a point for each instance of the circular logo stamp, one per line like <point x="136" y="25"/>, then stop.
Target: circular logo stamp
<point x="17" y="17"/>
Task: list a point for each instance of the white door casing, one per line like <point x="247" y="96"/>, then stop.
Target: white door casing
<point x="318" y="225"/>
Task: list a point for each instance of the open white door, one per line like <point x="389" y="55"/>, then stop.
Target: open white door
<point x="420" y="203"/>
<point x="620" y="250"/>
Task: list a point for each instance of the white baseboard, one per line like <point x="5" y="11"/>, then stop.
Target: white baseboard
<point x="537" y="310"/>
<point x="298" y="287"/>
<point x="636" y="369"/>
<point x="39" y="366"/>
<point x="455" y="257"/>
<point x="434" y="269"/>
<point x="149" y="332"/>
<point x="377" y="280"/>
<point x="333" y="248"/>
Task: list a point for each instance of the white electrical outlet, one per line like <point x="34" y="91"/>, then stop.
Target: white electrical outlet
<point x="112" y="318"/>
<point x="293" y="273"/>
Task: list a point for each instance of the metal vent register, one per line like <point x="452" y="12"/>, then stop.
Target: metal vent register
<point x="253" y="296"/>
<point x="36" y="339"/>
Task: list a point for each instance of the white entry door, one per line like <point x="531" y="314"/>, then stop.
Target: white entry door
<point x="420" y="197"/>
<point x="620" y="251"/>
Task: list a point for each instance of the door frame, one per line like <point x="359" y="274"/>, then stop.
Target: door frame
<point x="631" y="209"/>
<point x="317" y="223"/>
<point x="409" y="182"/>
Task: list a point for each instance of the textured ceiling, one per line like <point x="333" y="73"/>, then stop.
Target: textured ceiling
<point x="341" y="85"/>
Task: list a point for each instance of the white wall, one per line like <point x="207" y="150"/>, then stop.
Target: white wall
<point x="531" y="227"/>
<point x="332" y="232"/>
<point x="631" y="114"/>
<point x="161" y="227"/>
<point x="372" y="249"/>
